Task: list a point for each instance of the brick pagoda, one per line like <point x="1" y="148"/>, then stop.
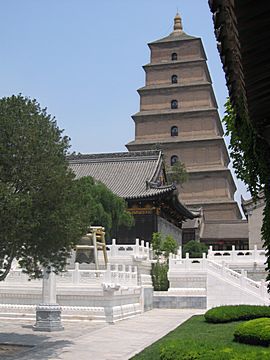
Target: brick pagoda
<point x="178" y="113"/>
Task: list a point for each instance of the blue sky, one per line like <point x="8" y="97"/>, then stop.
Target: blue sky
<point x="82" y="59"/>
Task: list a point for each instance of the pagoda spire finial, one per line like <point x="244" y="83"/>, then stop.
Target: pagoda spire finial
<point x="177" y="23"/>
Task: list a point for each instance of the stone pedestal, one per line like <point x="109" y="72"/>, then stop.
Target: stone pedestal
<point x="48" y="313"/>
<point x="48" y="318"/>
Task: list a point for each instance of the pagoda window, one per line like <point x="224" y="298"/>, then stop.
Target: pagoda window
<point x="174" y="56"/>
<point x="174" y="131"/>
<point x="174" y="104"/>
<point x="174" y="160"/>
<point x="174" y="79"/>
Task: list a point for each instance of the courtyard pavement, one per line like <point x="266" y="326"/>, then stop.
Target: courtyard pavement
<point x="83" y="340"/>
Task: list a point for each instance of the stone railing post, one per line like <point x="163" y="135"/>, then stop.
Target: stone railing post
<point x="113" y="248"/>
<point x="243" y="279"/>
<point x="147" y="250"/>
<point x="204" y="261"/>
<point x="108" y="274"/>
<point x="48" y="313"/>
<point x="137" y="247"/>
<point x="234" y="255"/>
<point x="255" y="253"/>
<point x="187" y="262"/>
<point x="76" y="274"/>
<point x="263" y="290"/>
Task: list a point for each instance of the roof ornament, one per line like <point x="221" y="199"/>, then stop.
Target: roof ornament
<point x="177" y="23"/>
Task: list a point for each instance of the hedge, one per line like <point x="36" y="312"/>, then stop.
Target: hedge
<point x="254" y="332"/>
<point x="223" y="314"/>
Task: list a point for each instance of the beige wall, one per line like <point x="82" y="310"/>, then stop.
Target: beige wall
<point x="199" y="155"/>
<point x="205" y="188"/>
<point x="222" y="211"/>
<point x="188" y="98"/>
<point x="186" y="50"/>
<point x="188" y="127"/>
<point x="255" y="219"/>
<point x="187" y="74"/>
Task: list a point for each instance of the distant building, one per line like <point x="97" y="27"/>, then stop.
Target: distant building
<point x="139" y="178"/>
<point x="178" y="114"/>
<point x="254" y="213"/>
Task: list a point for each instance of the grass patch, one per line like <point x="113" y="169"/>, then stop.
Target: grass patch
<point x="227" y="313"/>
<point x="254" y="332"/>
<point x="197" y="339"/>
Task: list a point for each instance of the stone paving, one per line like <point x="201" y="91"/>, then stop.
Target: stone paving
<point x="89" y="340"/>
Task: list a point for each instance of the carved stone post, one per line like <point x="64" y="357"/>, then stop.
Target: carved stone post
<point x="48" y="313"/>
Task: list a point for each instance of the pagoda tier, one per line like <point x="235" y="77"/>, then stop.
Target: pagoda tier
<point x="178" y="114"/>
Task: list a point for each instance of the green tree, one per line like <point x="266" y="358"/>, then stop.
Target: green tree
<point x="157" y="244"/>
<point x="40" y="219"/>
<point x="43" y="210"/>
<point x="251" y="160"/>
<point x="177" y="173"/>
<point x="102" y="206"/>
<point x="169" y="246"/>
<point x="195" y="249"/>
<point x="162" y="246"/>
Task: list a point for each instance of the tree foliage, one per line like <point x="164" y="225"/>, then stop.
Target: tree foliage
<point x="251" y="161"/>
<point x="162" y="247"/>
<point x="38" y="218"/>
<point x="43" y="210"/>
<point x="177" y="173"/>
<point x="102" y="206"/>
<point x="195" y="249"/>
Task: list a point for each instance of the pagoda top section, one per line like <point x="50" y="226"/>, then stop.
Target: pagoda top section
<point x="177" y="34"/>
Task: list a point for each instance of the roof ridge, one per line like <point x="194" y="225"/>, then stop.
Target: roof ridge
<point x="157" y="167"/>
<point x="174" y="37"/>
<point x="117" y="156"/>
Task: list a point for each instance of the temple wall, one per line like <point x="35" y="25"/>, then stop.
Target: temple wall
<point x="199" y="155"/>
<point x="188" y="127"/>
<point x="188" y="98"/>
<point x="167" y="228"/>
<point x="205" y="188"/>
<point x="255" y="221"/>
<point x="186" y="75"/>
<point x="186" y="50"/>
<point x="217" y="211"/>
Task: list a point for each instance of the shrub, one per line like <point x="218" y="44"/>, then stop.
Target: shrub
<point x="160" y="277"/>
<point x="163" y="246"/>
<point x="195" y="249"/>
<point x="229" y="313"/>
<point x="168" y="246"/>
<point x="254" y="332"/>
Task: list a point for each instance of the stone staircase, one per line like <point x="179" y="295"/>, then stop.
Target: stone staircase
<point x="215" y="281"/>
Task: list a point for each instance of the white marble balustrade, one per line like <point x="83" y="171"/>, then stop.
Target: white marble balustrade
<point x="123" y="275"/>
<point x="237" y="256"/>
<point x="205" y="266"/>
<point x="138" y="250"/>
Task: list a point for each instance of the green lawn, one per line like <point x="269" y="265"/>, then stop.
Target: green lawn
<point x="196" y="339"/>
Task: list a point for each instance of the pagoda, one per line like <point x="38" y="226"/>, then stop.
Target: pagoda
<point x="178" y="114"/>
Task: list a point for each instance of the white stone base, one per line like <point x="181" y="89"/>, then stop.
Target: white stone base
<point x="48" y="318"/>
<point x="74" y="313"/>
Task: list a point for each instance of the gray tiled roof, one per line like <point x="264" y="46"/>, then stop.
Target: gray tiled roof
<point x="174" y="36"/>
<point x="127" y="174"/>
<point x="227" y="230"/>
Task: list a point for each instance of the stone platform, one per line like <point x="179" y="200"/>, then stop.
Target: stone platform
<point x="86" y="340"/>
